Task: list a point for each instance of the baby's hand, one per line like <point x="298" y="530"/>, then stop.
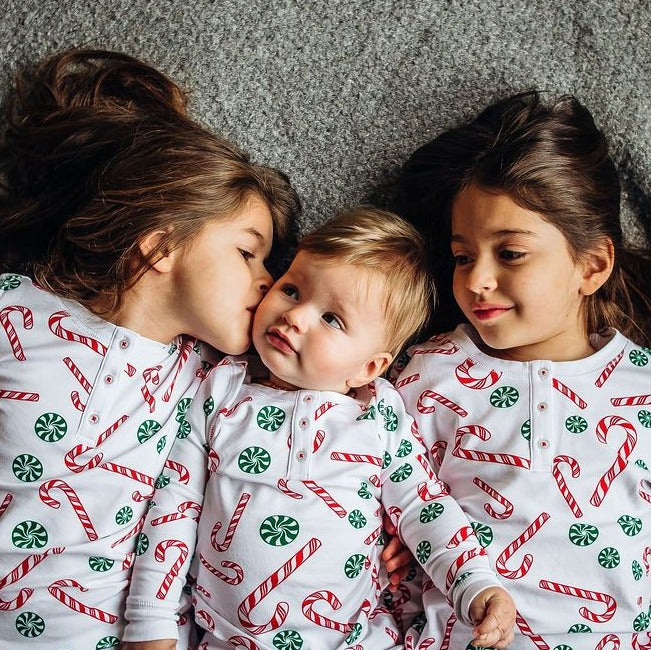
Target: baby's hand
<point x="396" y="556"/>
<point x="493" y="612"/>
<point x="161" y="644"/>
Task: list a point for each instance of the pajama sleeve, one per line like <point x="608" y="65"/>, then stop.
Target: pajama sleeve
<point x="166" y="543"/>
<point x="429" y="520"/>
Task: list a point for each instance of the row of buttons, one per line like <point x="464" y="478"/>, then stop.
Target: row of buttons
<point x="124" y="343"/>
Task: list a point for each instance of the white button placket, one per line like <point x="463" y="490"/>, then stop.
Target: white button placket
<point x="541" y="421"/>
<point x="299" y="463"/>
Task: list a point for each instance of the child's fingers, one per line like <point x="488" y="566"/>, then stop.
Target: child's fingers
<point x="494" y="612"/>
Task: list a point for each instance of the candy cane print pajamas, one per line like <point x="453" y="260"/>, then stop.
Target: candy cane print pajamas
<point x="287" y="549"/>
<point x="88" y="414"/>
<point x="550" y="461"/>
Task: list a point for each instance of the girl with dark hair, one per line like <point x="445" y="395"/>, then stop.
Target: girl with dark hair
<point x="536" y="408"/>
<point x="128" y="234"/>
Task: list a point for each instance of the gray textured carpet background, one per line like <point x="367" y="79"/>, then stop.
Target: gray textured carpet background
<point x="338" y="93"/>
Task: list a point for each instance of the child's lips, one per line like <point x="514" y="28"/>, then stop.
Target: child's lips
<point x="488" y="311"/>
<point x="279" y="341"/>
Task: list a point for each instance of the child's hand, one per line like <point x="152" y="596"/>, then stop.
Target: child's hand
<point x="493" y="612"/>
<point x="161" y="644"/>
<point x="396" y="556"/>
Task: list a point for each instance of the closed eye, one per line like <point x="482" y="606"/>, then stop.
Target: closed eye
<point x="512" y="256"/>
<point x="247" y="255"/>
<point x="461" y="260"/>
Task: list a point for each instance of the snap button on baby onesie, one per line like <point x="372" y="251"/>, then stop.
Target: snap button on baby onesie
<point x="93" y="418"/>
<point x="301" y="455"/>
<point x="543" y="444"/>
<point x="124" y="343"/>
<point x="108" y="379"/>
<point x="308" y="398"/>
<point x="542" y="406"/>
<point x="303" y="423"/>
<point x="543" y="372"/>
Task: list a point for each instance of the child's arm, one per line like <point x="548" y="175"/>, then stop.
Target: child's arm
<point x="489" y="610"/>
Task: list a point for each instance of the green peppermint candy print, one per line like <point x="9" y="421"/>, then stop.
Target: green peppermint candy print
<point x="270" y="418"/>
<point x="608" y="557"/>
<point x="29" y="534"/>
<point x="580" y="628"/>
<point x="50" y="427"/>
<point x="100" y="564"/>
<point x="364" y="492"/>
<point x="583" y="534"/>
<point x="525" y="430"/>
<point x="636" y="570"/>
<point x="124" y="515"/>
<point x="142" y="543"/>
<point x="562" y="646"/>
<point x="30" y="625"/>
<point x="357" y="519"/>
<point x="209" y="406"/>
<point x="641" y="622"/>
<point x="287" y="640"/>
<point x="162" y="481"/>
<point x="630" y="525"/>
<point x="254" y="460"/>
<point x="184" y="430"/>
<point x="10" y="282"/>
<point x="640" y="463"/>
<point x="430" y="512"/>
<point x="369" y="414"/>
<point x="504" y="396"/>
<point x="354" y="634"/>
<point x="182" y="408"/>
<point x="576" y="424"/>
<point x="418" y="622"/>
<point x="644" y="417"/>
<point x="483" y="533"/>
<point x="107" y="642"/>
<point x="27" y="468"/>
<point x="279" y="530"/>
<point x="404" y="449"/>
<point x="354" y="565"/>
<point x="423" y="551"/>
<point x="160" y="445"/>
<point x="403" y="472"/>
<point x="386" y="460"/>
<point x="389" y="415"/>
<point x="147" y="429"/>
<point x="638" y="358"/>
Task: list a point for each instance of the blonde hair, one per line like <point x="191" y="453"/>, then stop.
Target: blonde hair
<point x="393" y="252"/>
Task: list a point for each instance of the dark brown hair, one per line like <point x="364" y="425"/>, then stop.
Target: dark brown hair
<point x="98" y="151"/>
<point x="550" y="158"/>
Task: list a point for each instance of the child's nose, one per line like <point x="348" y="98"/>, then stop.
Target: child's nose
<point x="481" y="277"/>
<point x="265" y="281"/>
<point x="295" y="318"/>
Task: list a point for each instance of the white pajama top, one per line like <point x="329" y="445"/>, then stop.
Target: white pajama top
<point x="550" y="461"/>
<point x="282" y="493"/>
<point x="88" y="414"/>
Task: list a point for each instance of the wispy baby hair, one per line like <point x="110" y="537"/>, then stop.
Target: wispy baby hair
<point x="394" y="254"/>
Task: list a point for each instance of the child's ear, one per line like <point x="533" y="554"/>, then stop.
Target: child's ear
<point x="371" y="370"/>
<point x="152" y="245"/>
<point x="597" y="267"/>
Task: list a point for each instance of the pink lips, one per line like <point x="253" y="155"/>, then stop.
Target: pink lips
<point x="279" y="341"/>
<point x="488" y="311"/>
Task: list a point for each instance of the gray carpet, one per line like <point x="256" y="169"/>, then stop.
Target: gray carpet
<point x="338" y="93"/>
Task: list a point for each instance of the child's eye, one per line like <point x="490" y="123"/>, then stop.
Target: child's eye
<point x="511" y="256"/>
<point x="461" y="260"/>
<point x="247" y="255"/>
<point x="333" y="321"/>
<point x="290" y="291"/>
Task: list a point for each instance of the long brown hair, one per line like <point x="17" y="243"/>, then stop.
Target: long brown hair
<point x="98" y="151"/>
<point x="549" y="158"/>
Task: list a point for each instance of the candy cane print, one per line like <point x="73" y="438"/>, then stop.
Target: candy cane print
<point x="430" y="490"/>
<point x="374" y="480"/>
<point x="324" y="408"/>
<point x="608" y="639"/>
<point x="181" y="470"/>
<point x="585" y="594"/>
<point x="642" y="492"/>
<point x="562" y="485"/>
<point x="373" y="536"/>
<point x="462" y="559"/>
<point x="526" y="630"/>
<point x="445" y="644"/>
<point x="408" y="380"/>
<point x="18" y="395"/>
<point x="324" y="621"/>
<point x="631" y="400"/>
<point x="232" y="525"/>
<point x="522" y="539"/>
<point x="128" y="561"/>
<point x="639" y="644"/>
<point x="70" y="459"/>
<point x="150" y="377"/>
<point x="10" y="331"/>
<point x="625" y="450"/>
<point x="437" y="453"/>
<point x="227" y="412"/>
<point x="56" y="590"/>
<point x="159" y="554"/>
<point x="130" y="370"/>
<point x="460" y="536"/>
<point x="645" y="559"/>
<point x="462" y="372"/>
<point x="449" y="347"/>
<point x="242" y="642"/>
<point x="84" y="383"/>
<point x="15" y="603"/>
<point x="484" y="434"/>
<point x="324" y="495"/>
<point x="54" y="323"/>
<point x="184" y="355"/>
<point x="319" y="437"/>
<point x="502" y="500"/>
<point x="391" y="633"/>
<point x="268" y="585"/>
<point x="5" y="503"/>
<point x="608" y="370"/>
<point x="356" y="458"/>
<point x="205" y="620"/>
<point x="284" y="488"/>
<point x="139" y="525"/>
<point x="180" y="513"/>
<point x="75" y="502"/>
<point x="226" y="564"/>
<point x="569" y="393"/>
<point x="441" y="399"/>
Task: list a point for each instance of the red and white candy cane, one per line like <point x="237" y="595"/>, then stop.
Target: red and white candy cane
<point x="83" y="382"/>
<point x="73" y="465"/>
<point x="226" y="564"/>
<point x="642" y="492"/>
<point x="482" y="456"/>
<point x="356" y="458"/>
<point x="462" y="373"/>
<point x="562" y="485"/>
<point x="639" y="643"/>
<point x="130" y="370"/>
<point x="268" y="585"/>
<point x="445" y="347"/>
<point x="54" y="323"/>
<point x="184" y="355"/>
<point x="585" y="594"/>
<point x="608" y="370"/>
<point x="445" y="643"/>
<point x="408" y="380"/>
<point x="501" y="499"/>
<point x="232" y="525"/>
<point x="431" y="490"/>
<point x="324" y="495"/>
<point x="227" y="412"/>
<point x="75" y="502"/>
<point x="5" y="503"/>
<point x="609" y="639"/>
<point x="128" y="472"/>
<point x="526" y="630"/>
<point x="242" y="642"/>
<point x="631" y="400"/>
<point x="323" y="409"/>
<point x="151" y="378"/>
<point x="160" y="553"/>
<point x="459" y="562"/>
<point x="437" y="453"/>
<point x="603" y="428"/>
<point x="335" y="603"/>
<point x="509" y="551"/>
<point x="205" y="620"/>
<point x="373" y="536"/>
<point x="646" y="559"/>
<point x="319" y="437"/>
<point x="56" y="590"/>
<point x="569" y="393"/>
<point x="16" y="603"/>
<point x="424" y="408"/>
<point x="21" y="396"/>
<point x="285" y="489"/>
<point x="181" y="509"/>
<point x="5" y="323"/>
<point x="138" y="526"/>
<point x="181" y="470"/>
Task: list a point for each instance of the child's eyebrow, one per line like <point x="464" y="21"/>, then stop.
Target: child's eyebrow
<point x="498" y="234"/>
<point x="256" y="233"/>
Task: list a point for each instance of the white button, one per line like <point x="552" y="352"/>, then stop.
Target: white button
<point x="542" y="406"/>
<point x="303" y="423"/>
<point x="543" y="372"/>
<point x="93" y="418"/>
<point x="108" y="379"/>
<point x="308" y="398"/>
<point x="543" y="444"/>
<point x="300" y="455"/>
<point x="124" y="343"/>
